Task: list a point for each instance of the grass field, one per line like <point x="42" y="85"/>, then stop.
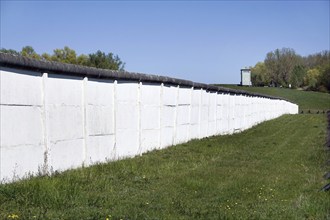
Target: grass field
<point x="272" y="171"/>
<point x="313" y="101"/>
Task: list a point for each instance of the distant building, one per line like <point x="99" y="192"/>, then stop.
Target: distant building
<point x="246" y="77"/>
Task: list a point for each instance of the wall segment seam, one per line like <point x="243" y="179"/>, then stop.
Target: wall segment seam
<point x="84" y="118"/>
<point x="115" y="118"/>
<point x="161" y="96"/>
<point x="199" y="113"/>
<point x="22" y="105"/>
<point x="175" y="115"/>
<point x="139" y="128"/>
<point x="190" y="109"/>
<point x="41" y="144"/>
<point x="46" y="143"/>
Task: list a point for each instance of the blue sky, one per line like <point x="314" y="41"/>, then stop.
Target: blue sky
<point x="202" y="41"/>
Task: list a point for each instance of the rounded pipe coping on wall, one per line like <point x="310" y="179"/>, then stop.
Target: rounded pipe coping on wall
<point x="20" y="62"/>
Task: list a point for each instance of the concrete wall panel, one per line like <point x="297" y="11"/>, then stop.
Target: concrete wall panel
<point x="100" y="92"/>
<point x="19" y="161"/>
<point x="213" y="107"/>
<point x="183" y="116"/>
<point x="100" y="120"/>
<point x="194" y="115"/>
<point x="212" y="130"/>
<point x="212" y="113"/>
<point x="181" y="134"/>
<point x="64" y="90"/>
<point x="127" y="116"/>
<point x="150" y="94"/>
<point x="127" y="133"/>
<point x="196" y="97"/>
<point x="166" y="136"/>
<point x="219" y="114"/>
<point x="127" y="143"/>
<point x="127" y="92"/>
<point x="65" y="123"/>
<point x="168" y="116"/>
<point x="20" y="125"/>
<point x="100" y="149"/>
<point x="170" y="94"/>
<point x="184" y="96"/>
<point x="204" y="127"/>
<point x="205" y="98"/>
<point x="204" y="114"/>
<point x="150" y="117"/>
<point x="16" y="84"/>
<point x="194" y="131"/>
<point x="150" y="140"/>
<point x="66" y="154"/>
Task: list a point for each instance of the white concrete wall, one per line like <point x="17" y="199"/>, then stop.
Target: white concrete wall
<point x="57" y="122"/>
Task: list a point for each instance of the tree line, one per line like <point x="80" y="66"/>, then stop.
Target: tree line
<point x="285" y="68"/>
<point x="98" y="59"/>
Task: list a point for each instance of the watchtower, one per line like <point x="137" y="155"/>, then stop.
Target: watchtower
<point x="246" y="77"/>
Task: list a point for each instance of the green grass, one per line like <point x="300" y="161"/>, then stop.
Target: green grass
<point x="272" y="171"/>
<point x="307" y="100"/>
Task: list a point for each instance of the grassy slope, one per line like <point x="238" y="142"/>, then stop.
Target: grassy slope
<point x="272" y="171"/>
<point x="305" y="100"/>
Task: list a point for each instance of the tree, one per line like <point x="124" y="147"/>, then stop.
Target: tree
<point x="317" y="60"/>
<point x="272" y="69"/>
<point x="68" y="55"/>
<point x="325" y="78"/>
<point x="105" y="61"/>
<point x="311" y="79"/>
<point x="28" y="51"/>
<point x="10" y="51"/>
<point x="297" y="76"/>
<point x="46" y="56"/>
<point x="65" y="55"/>
<point x="280" y="64"/>
<point x="259" y="75"/>
<point x="282" y="67"/>
<point x="83" y="60"/>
